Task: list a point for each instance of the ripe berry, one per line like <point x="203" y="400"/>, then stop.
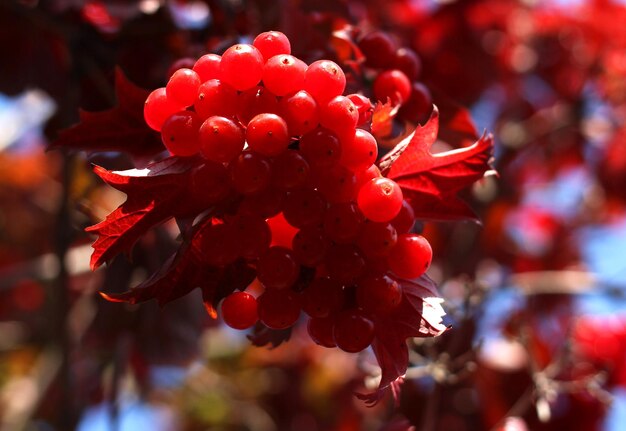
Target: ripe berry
<point x="241" y="66"/>
<point x="277" y="268"/>
<point x="210" y="183"/>
<point x="279" y="309"/>
<point x="419" y="106"/>
<point x="405" y="220"/>
<point x="183" y="86"/>
<point x="265" y="203"/>
<point x="343" y="222"/>
<point x="250" y="172"/>
<point x="304" y="207"/>
<point x="320" y="148"/>
<point x="216" y="98"/>
<point x="284" y="74"/>
<point x="309" y="246"/>
<point x="377" y="239"/>
<point x="271" y="43"/>
<point x="393" y="85"/>
<point x="323" y="297"/>
<point x="300" y="112"/>
<point x="363" y="105"/>
<point x="352" y="331"/>
<point x="251" y="234"/>
<point x="411" y="256"/>
<point x="344" y="263"/>
<point x="321" y="331"/>
<point x="221" y="140"/>
<point x="378" y="294"/>
<point x="359" y="152"/>
<point x="180" y="133"/>
<point x="158" y="108"/>
<point x="408" y="62"/>
<point x="338" y="184"/>
<point x="208" y="67"/>
<point x="339" y="115"/>
<point x="255" y="101"/>
<point x="239" y="310"/>
<point x="290" y="170"/>
<point x="380" y="199"/>
<point x="267" y="134"/>
<point x="324" y="80"/>
<point x="379" y="49"/>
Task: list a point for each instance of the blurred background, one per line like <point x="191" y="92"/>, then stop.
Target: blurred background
<point x="535" y="295"/>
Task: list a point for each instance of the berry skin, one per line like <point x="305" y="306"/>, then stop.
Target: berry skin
<point x="180" y="133"/>
<point x="379" y="49"/>
<point x="363" y="105"/>
<point x="290" y="170"/>
<point x="158" y="108"/>
<point x="352" y="331"/>
<point x="300" y="112"/>
<point x="208" y="67"/>
<point x="338" y="184"/>
<point x="393" y="85"/>
<point x="320" y="330"/>
<point x="241" y="66"/>
<point x="271" y="43"/>
<point x="304" y="207"/>
<point x="221" y="140"/>
<point x="405" y="220"/>
<point x="284" y="74"/>
<point x="408" y="62"/>
<point x="216" y="98"/>
<point x="411" y="256"/>
<point x="309" y="246"/>
<point x="339" y="115"/>
<point x="378" y="294"/>
<point x="344" y="263"/>
<point x="265" y="203"/>
<point x="343" y="222"/>
<point x="267" y="134"/>
<point x="380" y="199"/>
<point x="255" y="101"/>
<point x="252" y="235"/>
<point x="320" y="148"/>
<point x="324" y="80"/>
<point x="250" y="172"/>
<point x="183" y="86"/>
<point x="240" y="310"/>
<point x="279" y="309"/>
<point x="278" y="268"/>
<point x="377" y="239"/>
<point x="419" y="106"/>
<point x="323" y="297"/>
<point x="359" y="152"/>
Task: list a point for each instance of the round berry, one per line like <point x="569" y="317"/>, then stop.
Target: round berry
<point x="321" y="148"/>
<point x="352" y="331"/>
<point x="208" y="67"/>
<point x="419" y="106"/>
<point x="159" y="107"/>
<point x="321" y="331"/>
<point x="411" y="256"/>
<point x="408" y="62"/>
<point x="309" y="246"/>
<point x="290" y="170"/>
<point x="379" y="49"/>
<point x="405" y="220"/>
<point x="363" y="105"/>
<point x="339" y="115"/>
<point x="267" y="134"/>
<point x="239" y="310"/>
<point x="380" y="199"/>
<point x="344" y="263"/>
<point x="221" y="139"/>
<point x="255" y="101"/>
<point x="304" y="207"/>
<point x="323" y="297"/>
<point x="284" y="74"/>
<point x="278" y="268"/>
<point x="183" y="86"/>
<point x="377" y="239"/>
<point x="251" y="234"/>
<point x="378" y="294"/>
<point x="271" y="43"/>
<point x="250" y="172"/>
<point x="241" y="66"/>
<point x="180" y="133"/>
<point x="393" y="85"/>
<point x="300" y="112"/>
<point x="343" y="222"/>
<point x="216" y="98"/>
<point x="338" y="184"/>
<point x="324" y="80"/>
<point x="359" y="151"/>
<point x="279" y="309"/>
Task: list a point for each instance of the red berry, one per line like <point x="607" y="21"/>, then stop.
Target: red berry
<point x="239" y="310"/>
<point x="183" y="86"/>
<point x="323" y="297"/>
<point x="250" y="172"/>
<point x="278" y="268"/>
<point x="380" y="199"/>
<point x="241" y="66"/>
<point x="379" y="49"/>
<point x="320" y="147"/>
<point x="279" y="309"/>
<point x="352" y="331"/>
<point x="363" y="105"/>
<point x="300" y="112"/>
<point x="265" y="203"/>
<point x="304" y="207"/>
<point x="411" y="256"/>
<point x="324" y="80"/>
<point x="158" y="108"/>
<point x="210" y="183"/>
<point x="408" y="62"/>
<point x="267" y="134"/>
<point x="180" y="133"/>
<point x="338" y="184"/>
<point x="290" y="170"/>
<point x="284" y="74"/>
<point x="309" y="246"/>
<point x="370" y="173"/>
<point x="221" y="139"/>
<point x="419" y="106"/>
<point x="321" y="331"/>
<point x="208" y="67"/>
<point x="271" y="43"/>
<point x="378" y="294"/>
<point x="344" y="263"/>
<point x="216" y="98"/>
<point x="251" y="234"/>
<point x="255" y="101"/>
<point x="343" y="222"/>
<point x="393" y="85"/>
<point x="360" y="151"/>
<point x="405" y="220"/>
<point x="377" y="239"/>
<point x="339" y="115"/>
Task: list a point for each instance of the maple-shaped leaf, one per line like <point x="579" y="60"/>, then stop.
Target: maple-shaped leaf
<point x="418" y="315"/>
<point x="121" y="128"/>
<point x="173" y="187"/>
<point x="431" y="182"/>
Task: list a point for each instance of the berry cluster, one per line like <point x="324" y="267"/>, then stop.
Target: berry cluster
<point x="396" y="72"/>
<point x="326" y="232"/>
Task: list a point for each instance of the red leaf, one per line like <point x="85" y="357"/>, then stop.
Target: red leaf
<point x="418" y="315"/>
<point x="155" y="194"/>
<point x="431" y="181"/>
<point x="118" y="129"/>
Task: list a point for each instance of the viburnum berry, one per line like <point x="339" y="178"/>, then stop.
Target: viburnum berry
<point x="279" y="309"/>
<point x="255" y="101"/>
<point x="405" y="220"/>
<point x="290" y="170"/>
<point x="267" y="134"/>
<point x="380" y="199"/>
<point x="364" y="107"/>
<point x="378" y="48"/>
<point x="338" y="184"/>
<point x="343" y="222"/>
<point x="419" y="106"/>
<point x="344" y="262"/>
<point x="216" y="98"/>
<point x="208" y="67"/>
<point x="250" y="172"/>
<point x="339" y="115"/>
<point x="393" y="85"/>
<point x="251" y="234"/>
<point x="210" y="182"/>
<point x="367" y="175"/>
<point x="320" y="329"/>
<point x="240" y="310"/>
<point x="320" y="147"/>
<point x="359" y="151"/>
<point x="309" y="246"/>
<point x="179" y="133"/>
<point x="352" y="331"/>
<point x="221" y="139"/>
<point x="271" y="43"/>
<point x="323" y="297"/>
<point x="158" y="108"/>
<point x="183" y="86"/>
<point x="324" y="80"/>
<point x="277" y="268"/>
<point x="378" y="294"/>
<point x="265" y="203"/>
<point x="411" y="256"/>
<point x="304" y="207"/>
<point x="377" y="239"/>
<point x="283" y="74"/>
<point x="242" y="66"/>
<point x="300" y="112"/>
<point x="408" y="62"/>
